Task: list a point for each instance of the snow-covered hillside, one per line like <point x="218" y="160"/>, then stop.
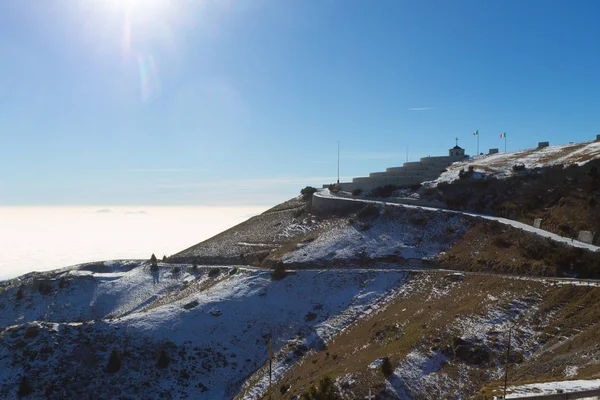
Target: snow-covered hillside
<point x="406" y="232"/>
<point x="501" y="164"/>
<point x="216" y="335"/>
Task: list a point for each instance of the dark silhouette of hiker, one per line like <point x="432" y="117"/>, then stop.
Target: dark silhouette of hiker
<point x="154" y="269"/>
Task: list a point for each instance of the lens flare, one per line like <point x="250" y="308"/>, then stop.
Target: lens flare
<point x="149" y="82"/>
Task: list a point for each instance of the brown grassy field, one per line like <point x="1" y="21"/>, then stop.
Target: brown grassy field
<point x="556" y="328"/>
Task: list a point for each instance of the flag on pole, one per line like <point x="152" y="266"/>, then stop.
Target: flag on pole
<point x="503" y="135"/>
<point x="476" y="133"/>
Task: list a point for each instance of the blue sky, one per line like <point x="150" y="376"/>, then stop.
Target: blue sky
<point x="175" y="102"/>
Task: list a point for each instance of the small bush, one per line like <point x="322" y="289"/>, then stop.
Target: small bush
<point x="564" y="228"/>
<point x="31" y="332"/>
<point x="194" y="269"/>
<point x="233" y="271"/>
<point x="63" y="282"/>
<point x="175" y="270"/>
<point x="357" y="192"/>
<point x="284" y="388"/>
<point x="25" y="388"/>
<point x="191" y="305"/>
<point x="325" y="391"/>
<point x="418" y="220"/>
<point x="214" y="272"/>
<point x="310" y="316"/>
<point x="384" y="191"/>
<point x="278" y="272"/>
<point x="20" y="294"/>
<point x="369" y="212"/>
<point x="518" y="167"/>
<point x="386" y="367"/>
<point x="501" y="242"/>
<point x="114" y="362"/>
<point x="307" y="192"/>
<point x="592" y="201"/>
<point x="334" y="188"/>
<point x="298" y="213"/>
<point x="163" y="360"/>
<point x="45" y="288"/>
<point x="164" y="258"/>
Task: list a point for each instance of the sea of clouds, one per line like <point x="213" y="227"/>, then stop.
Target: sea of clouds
<point x="44" y="238"/>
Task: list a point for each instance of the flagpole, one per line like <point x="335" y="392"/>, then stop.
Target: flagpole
<point x="477" y="142"/>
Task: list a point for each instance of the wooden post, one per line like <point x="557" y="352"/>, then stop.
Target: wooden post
<point x="506" y="366"/>
<point x="270" y="365"/>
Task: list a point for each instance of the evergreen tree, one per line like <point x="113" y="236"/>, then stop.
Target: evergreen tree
<point x="386" y="367"/>
<point x="25" y="388"/>
<point x="114" y="362"/>
<point x="163" y="359"/>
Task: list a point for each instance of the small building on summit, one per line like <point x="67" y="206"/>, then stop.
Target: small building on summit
<point x="411" y="173"/>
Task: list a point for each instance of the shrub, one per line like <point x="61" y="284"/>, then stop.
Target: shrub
<point x="194" y="268"/>
<point x="518" y="167"/>
<point x="63" y="282"/>
<point x="564" y="228"/>
<point x="369" y="212"/>
<point x="310" y="316"/>
<point x="357" y="192"/>
<point x="175" y="270"/>
<point x="164" y="258"/>
<point x="20" y="294"/>
<point x="325" y="391"/>
<point x="418" y="220"/>
<point x="284" y="388"/>
<point x="25" y="388"/>
<point x="298" y="213"/>
<point x="233" y="271"/>
<point x="386" y="367"/>
<point x="163" y="359"/>
<point x="114" y="362"/>
<point x="384" y="191"/>
<point x="533" y="250"/>
<point x="334" y="188"/>
<point x="501" y="242"/>
<point x="214" y="272"/>
<point x="191" y="305"/>
<point x="278" y="272"/>
<point x="45" y="288"/>
<point x="592" y="201"/>
<point x="307" y="192"/>
<point x="31" y="332"/>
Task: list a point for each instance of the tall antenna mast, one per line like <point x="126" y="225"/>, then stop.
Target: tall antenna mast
<point x="338" y="176"/>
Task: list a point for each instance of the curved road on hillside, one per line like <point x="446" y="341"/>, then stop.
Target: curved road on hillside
<point x="325" y="193"/>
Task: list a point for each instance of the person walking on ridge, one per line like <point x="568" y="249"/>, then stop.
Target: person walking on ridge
<point x="154" y="269"/>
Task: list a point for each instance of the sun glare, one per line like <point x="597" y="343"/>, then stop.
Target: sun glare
<point x="145" y="24"/>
